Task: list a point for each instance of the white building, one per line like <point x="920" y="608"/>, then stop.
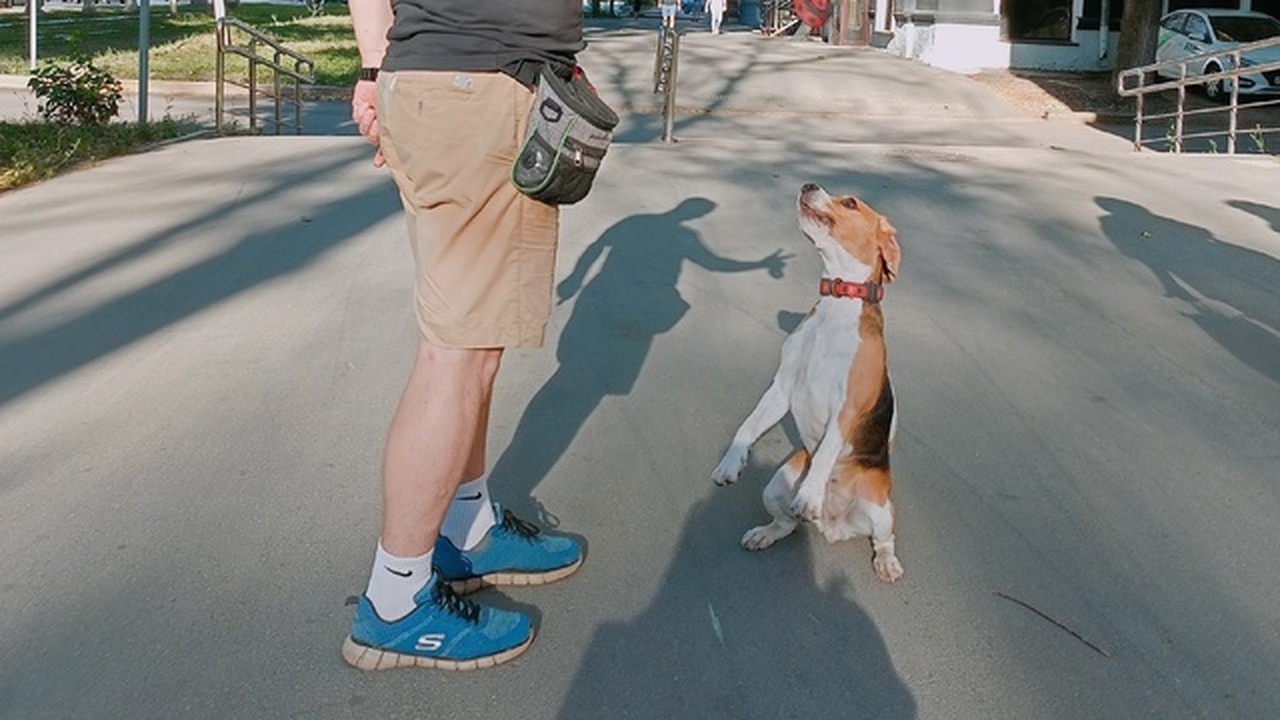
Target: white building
<point x="967" y="35"/>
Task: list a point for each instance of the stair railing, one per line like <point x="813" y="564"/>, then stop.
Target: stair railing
<point x="289" y="71"/>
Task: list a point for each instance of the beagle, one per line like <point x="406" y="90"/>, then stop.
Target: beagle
<point x="833" y="378"/>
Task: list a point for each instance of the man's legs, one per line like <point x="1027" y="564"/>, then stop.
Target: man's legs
<point x="484" y="258"/>
<point x="435" y="443"/>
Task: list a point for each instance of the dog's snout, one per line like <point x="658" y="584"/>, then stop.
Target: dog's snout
<point x="808" y="188"/>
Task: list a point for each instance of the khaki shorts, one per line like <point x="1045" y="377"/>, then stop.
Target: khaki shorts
<point x="484" y="252"/>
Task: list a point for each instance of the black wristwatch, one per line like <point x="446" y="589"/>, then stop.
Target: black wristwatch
<point x="367" y="73"/>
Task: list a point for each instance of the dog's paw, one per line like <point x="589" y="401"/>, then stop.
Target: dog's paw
<point x="887" y="567"/>
<point x="726" y="473"/>
<point x="759" y="538"/>
<point x="805" y="506"/>
<point x="884" y="561"/>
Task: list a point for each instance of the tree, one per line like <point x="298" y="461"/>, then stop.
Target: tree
<point x="1139" y="29"/>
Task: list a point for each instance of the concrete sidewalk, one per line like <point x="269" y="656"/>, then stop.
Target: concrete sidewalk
<point x="201" y="346"/>
<point x="729" y="85"/>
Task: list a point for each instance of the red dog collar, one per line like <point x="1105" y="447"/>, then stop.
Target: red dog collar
<point x="871" y="292"/>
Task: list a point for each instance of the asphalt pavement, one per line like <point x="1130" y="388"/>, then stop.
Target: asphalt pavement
<point x="201" y="346"/>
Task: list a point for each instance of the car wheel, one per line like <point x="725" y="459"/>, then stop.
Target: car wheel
<point x="1213" y="89"/>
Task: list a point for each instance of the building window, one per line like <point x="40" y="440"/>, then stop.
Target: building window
<point x="1036" y="20"/>
<point x="1091" y="15"/>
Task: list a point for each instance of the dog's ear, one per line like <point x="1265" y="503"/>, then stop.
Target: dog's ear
<point x="887" y="239"/>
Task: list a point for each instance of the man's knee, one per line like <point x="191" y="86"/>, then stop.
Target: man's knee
<point x="481" y="364"/>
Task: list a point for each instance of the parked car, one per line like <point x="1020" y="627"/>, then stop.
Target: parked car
<point x="1198" y="31"/>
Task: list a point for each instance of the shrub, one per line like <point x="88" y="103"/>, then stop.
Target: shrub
<point x="77" y="93"/>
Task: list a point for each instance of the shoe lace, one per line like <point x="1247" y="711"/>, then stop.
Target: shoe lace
<point x="523" y="528"/>
<point x="455" y="604"/>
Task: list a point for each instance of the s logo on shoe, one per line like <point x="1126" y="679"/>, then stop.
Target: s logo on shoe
<point x="430" y="641"/>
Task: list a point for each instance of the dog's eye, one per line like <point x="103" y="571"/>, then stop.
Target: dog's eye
<point x="851" y="203"/>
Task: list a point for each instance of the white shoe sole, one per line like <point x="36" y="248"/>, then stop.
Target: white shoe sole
<point x="371" y="658"/>
<point x="470" y="585"/>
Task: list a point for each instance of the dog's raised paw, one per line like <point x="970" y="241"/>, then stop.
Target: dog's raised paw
<point x="804" y="508"/>
<point x="726" y="473"/>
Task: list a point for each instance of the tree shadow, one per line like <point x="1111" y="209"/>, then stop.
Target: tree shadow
<point x="618" y="312"/>
<point x="1266" y="212"/>
<point x="1230" y="290"/>
<point x="33" y="359"/>
<point x="732" y="634"/>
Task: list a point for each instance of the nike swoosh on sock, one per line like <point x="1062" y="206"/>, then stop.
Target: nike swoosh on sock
<point x="477" y="496"/>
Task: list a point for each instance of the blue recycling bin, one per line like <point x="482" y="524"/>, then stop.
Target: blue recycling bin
<point x="749" y="13"/>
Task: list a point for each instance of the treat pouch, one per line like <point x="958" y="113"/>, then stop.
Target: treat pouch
<point x="569" y="132"/>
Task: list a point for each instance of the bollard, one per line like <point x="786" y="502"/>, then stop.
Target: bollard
<point x="665" y="64"/>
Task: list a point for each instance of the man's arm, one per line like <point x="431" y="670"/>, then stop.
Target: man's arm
<point x="370" y="19"/>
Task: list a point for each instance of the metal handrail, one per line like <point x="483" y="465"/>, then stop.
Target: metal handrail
<point x="284" y="64"/>
<point x="1134" y="83"/>
<point x="780" y="17"/>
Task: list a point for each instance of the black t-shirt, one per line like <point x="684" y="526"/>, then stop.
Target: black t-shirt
<point x="482" y="35"/>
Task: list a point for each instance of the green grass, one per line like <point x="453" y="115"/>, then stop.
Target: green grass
<point x="182" y="46"/>
<point x="32" y="151"/>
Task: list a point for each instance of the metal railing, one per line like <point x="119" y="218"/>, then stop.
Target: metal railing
<point x="263" y="52"/>
<point x="779" y="18"/>
<point x="1147" y="82"/>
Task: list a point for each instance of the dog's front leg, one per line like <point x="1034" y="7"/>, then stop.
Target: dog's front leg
<point x="884" y="559"/>
<point x="807" y="503"/>
<point x="772" y="406"/>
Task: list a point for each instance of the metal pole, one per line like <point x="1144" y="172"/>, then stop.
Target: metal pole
<point x="33" y="11"/>
<point x="669" y="106"/>
<point x="220" y="63"/>
<point x="253" y="85"/>
<point x="1137" y="122"/>
<point x="144" y="41"/>
<point x="275" y="88"/>
<point x="1232" y="115"/>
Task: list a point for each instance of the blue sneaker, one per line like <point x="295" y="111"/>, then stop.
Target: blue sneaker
<point x="444" y="631"/>
<point x="514" y="552"/>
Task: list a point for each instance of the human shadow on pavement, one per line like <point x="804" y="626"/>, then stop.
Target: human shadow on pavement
<point x="605" y="342"/>
<point x="1231" y="290"/>
<point x="736" y="634"/>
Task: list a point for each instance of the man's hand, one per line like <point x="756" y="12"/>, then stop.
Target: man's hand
<point x="364" y="112"/>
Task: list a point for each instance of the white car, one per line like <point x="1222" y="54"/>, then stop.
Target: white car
<point x="1191" y="32"/>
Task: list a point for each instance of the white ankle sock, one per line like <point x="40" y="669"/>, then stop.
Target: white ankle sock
<point x="470" y="514"/>
<point x="394" y="581"/>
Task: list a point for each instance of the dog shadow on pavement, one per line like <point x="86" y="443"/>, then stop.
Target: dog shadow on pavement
<point x="603" y="347"/>
<point x="1231" y="290"/>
